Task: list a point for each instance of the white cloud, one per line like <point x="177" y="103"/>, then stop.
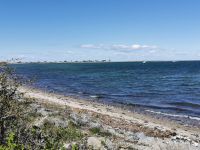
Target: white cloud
<point x="119" y="47"/>
<point x="132" y="47"/>
<point x="92" y="46"/>
<point x="152" y="51"/>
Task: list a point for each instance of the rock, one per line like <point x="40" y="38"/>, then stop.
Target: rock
<point x="43" y="111"/>
<point x="58" y="122"/>
<point x="181" y="138"/>
<point x="95" y="142"/>
<point x="142" y="138"/>
<point x="95" y="125"/>
<point x="82" y="147"/>
<point x="68" y="146"/>
<point x="39" y="122"/>
<point x="140" y="135"/>
<point x="130" y="136"/>
<point x="195" y="144"/>
<point x="80" y="120"/>
<point x="109" y="144"/>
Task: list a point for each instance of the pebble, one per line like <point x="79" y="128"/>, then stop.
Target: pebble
<point x="195" y="144"/>
<point x="68" y="146"/>
<point x="95" y="142"/>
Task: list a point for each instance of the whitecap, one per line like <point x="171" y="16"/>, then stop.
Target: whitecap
<point x="94" y="96"/>
<point x="174" y="115"/>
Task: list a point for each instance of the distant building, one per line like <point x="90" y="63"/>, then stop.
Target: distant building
<point x="3" y="63"/>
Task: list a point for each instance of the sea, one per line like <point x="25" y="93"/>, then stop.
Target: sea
<point x="166" y="88"/>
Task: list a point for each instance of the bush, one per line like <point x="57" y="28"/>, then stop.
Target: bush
<point x="95" y="130"/>
<point x="12" y="107"/>
<point x="71" y="133"/>
<point x="11" y="145"/>
<point x="98" y="131"/>
<point x="16" y="115"/>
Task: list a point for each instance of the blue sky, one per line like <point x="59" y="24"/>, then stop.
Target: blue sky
<point x="122" y="30"/>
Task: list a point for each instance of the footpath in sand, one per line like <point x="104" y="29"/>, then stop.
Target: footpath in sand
<point x="142" y="131"/>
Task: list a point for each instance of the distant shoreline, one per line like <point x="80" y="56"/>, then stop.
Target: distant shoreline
<point x="81" y="62"/>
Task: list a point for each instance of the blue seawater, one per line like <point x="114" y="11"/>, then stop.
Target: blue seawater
<point x="166" y="87"/>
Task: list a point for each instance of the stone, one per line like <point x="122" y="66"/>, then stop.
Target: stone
<point x="95" y="125"/>
<point x="82" y="147"/>
<point x="58" y="122"/>
<point x="195" y="144"/>
<point x="68" y="146"/>
<point x="109" y="144"/>
<point x="95" y="142"/>
<point x="80" y="120"/>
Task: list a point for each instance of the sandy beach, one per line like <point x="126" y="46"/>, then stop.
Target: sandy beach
<point x="152" y="133"/>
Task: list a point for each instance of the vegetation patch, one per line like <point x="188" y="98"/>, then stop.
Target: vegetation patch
<point x="98" y="131"/>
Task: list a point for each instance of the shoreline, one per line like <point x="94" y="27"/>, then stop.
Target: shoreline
<point x="69" y="62"/>
<point x="183" y="119"/>
<point x="121" y="118"/>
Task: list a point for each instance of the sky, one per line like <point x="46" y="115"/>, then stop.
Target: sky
<point x="120" y="30"/>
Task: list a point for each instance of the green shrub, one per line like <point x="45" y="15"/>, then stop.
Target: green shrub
<point x="74" y="147"/>
<point x="11" y="144"/>
<point x="64" y="134"/>
<point x="16" y="115"/>
<point x="98" y="131"/>
<point x="95" y="130"/>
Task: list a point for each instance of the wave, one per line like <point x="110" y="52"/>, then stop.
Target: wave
<point x="153" y="106"/>
<point x="174" y="115"/>
<point x="185" y="104"/>
<point x="96" y="96"/>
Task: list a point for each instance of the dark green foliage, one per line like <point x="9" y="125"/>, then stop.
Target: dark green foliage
<point x="75" y="147"/>
<point x="95" y="130"/>
<point x="16" y="116"/>
<point x="11" y="105"/>
<point x="71" y="133"/>
<point x="98" y="131"/>
<point x="11" y="144"/>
